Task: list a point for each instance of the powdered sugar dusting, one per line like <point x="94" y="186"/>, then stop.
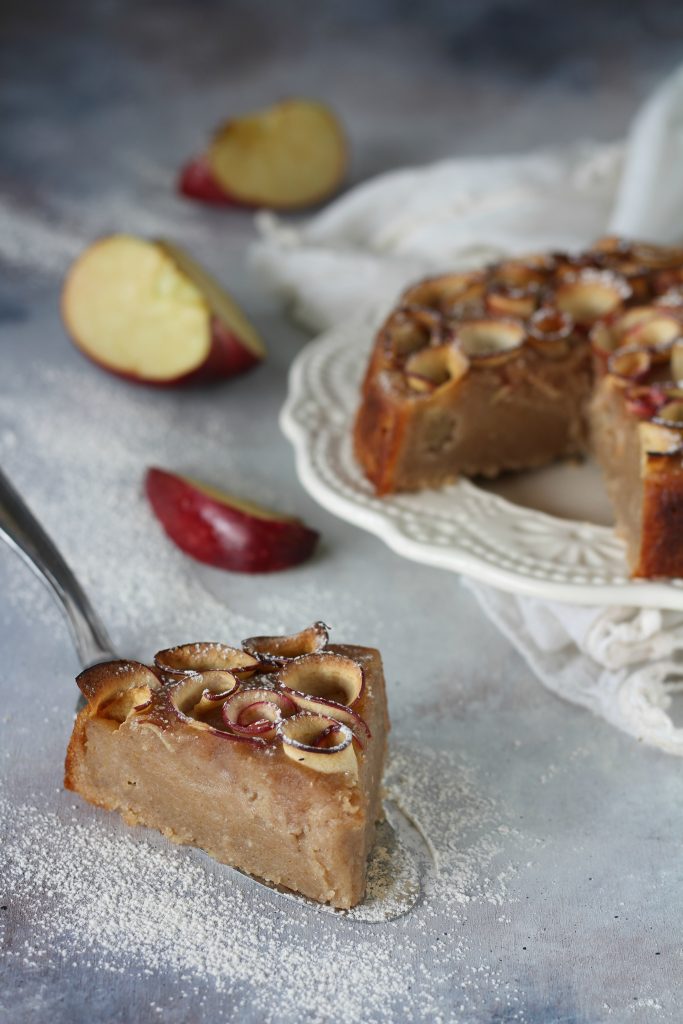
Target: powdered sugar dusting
<point x="46" y="239"/>
<point x="103" y="434"/>
<point x="120" y="899"/>
<point x="29" y="239"/>
<point x="96" y="508"/>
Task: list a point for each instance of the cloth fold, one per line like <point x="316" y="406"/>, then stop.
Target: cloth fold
<point x="620" y="663"/>
<point x="367" y="245"/>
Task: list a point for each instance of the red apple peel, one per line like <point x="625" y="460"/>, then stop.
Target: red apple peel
<point x="225" y="532"/>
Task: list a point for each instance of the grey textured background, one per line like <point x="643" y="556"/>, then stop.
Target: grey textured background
<point x="100" y="102"/>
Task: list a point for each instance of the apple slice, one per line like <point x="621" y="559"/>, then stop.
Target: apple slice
<point x="287" y="156"/>
<point x="223" y="531"/>
<point x="197" y="181"/>
<point x="147" y="312"/>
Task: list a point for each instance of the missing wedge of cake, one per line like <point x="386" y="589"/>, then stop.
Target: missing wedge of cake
<point x="535" y="359"/>
<point x="269" y="756"/>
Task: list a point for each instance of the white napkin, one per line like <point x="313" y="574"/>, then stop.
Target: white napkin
<point x="363" y="248"/>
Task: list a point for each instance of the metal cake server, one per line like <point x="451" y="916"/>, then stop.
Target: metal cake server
<point x="22" y="531"/>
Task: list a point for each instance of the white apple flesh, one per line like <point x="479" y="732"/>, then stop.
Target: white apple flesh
<point x="288" y="156"/>
<point x="147" y="312"/>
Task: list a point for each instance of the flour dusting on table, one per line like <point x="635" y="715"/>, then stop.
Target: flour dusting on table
<point x="120" y="899"/>
<point x="104" y="435"/>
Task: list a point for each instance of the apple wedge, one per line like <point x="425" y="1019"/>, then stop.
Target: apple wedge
<point x="288" y="156"/>
<point x="223" y="531"/>
<point x="197" y="181"/>
<point x="146" y="311"/>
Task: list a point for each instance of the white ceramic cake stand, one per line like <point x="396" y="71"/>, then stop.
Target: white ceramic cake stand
<point x="543" y="534"/>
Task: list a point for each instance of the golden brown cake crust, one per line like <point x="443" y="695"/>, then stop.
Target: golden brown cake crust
<point x="380" y="426"/>
<point x="661" y="548"/>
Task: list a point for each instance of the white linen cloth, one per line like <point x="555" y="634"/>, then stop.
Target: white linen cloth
<point x="620" y="663"/>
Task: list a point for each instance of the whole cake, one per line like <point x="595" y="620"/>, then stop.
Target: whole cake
<point x="535" y="359"/>
<point x="269" y="757"/>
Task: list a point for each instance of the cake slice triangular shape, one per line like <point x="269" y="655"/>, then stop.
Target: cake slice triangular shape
<point x="269" y="757"/>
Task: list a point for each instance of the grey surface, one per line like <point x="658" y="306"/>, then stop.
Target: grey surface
<point x="101" y="102"/>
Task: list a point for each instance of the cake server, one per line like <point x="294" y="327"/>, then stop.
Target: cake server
<point x="22" y="531"/>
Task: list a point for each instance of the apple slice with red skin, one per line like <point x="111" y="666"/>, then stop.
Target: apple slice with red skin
<point x="288" y="156"/>
<point x="223" y="531"/>
<point x="197" y="181"/>
<point x="276" y="650"/>
<point x="147" y="312"/>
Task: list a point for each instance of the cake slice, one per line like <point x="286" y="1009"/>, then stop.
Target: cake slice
<point x="269" y="757"/>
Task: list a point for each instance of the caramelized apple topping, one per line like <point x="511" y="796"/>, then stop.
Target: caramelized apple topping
<point x="567" y="265"/>
<point x="257" y="712"/>
<point x="192" y="693"/>
<point x="130" y="701"/>
<point x="604" y="339"/>
<point x="643" y="401"/>
<point x="329" y="676"/>
<point x="548" y="301"/>
<point x="661" y="442"/>
<point x="290" y="692"/>
<point x="631" y="319"/>
<point x="591" y="294"/>
<point x="550" y="331"/>
<point x="658" y="329"/>
<point x="218" y="685"/>
<point x="410" y="330"/>
<point x="550" y="324"/>
<point x="431" y="368"/>
<point x="670" y="415"/>
<point x="117" y="685"/>
<point x="511" y="302"/>
<point x="527" y="275"/>
<point x="331" y="708"/>
<point x="676" y="361"/>
<point x="278" y="649"/>
<point x="446" y="292"/>
<point x="656" y="257"/>
<point x="493" y="340"/>
<point x="176" y="662"/>
<point x="630" y="363"/>
<point x="642" y="265"/>
<point x="320" y="682"/>
<point x="196" y="703"/>
<point x="318" y="742"/>
<point x="622" y="329"/>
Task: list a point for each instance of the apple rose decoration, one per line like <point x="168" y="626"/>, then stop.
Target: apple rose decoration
<point x="290" y="692"/>
<point x="224" y="531"/>
<point x="290" y="155"/>
<point x="147" y="312"/>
